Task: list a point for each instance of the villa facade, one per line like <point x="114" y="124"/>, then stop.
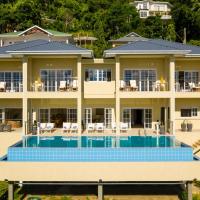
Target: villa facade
<point x="143" y="83"/>
<point x="149" y="87"/>
<point x="147" y="8"/>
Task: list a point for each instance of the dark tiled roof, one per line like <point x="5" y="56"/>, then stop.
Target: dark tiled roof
<point x="155" y="45"/>
<point x="41" y="46"/>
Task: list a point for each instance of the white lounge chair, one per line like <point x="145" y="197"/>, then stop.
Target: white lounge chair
<point x="99" y="127"/>
<point x="90" y="127"/>
<point x="123" y="127"/>
<point x="191" y="85"/>
<point x="74" y="127"/>
<point x="49" y="127"/>
<point x="133" y="85"/>
<point x="74" y="85"/>
<point x="42" y="127"/>
<point x="114" y="127"/>
<point x="122" y="85"/>
<point x="2" y="86"/>
<point x="62" y="86"/>
<point x="66" y="126"/>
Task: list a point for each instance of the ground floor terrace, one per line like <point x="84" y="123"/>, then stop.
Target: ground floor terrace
<point x="108" y="116"/>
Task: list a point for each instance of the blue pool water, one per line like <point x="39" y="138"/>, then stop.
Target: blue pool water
<point x="98" y="141"/>
<point x="99" y="149"/>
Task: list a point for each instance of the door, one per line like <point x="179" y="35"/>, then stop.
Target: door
<point x="147" y="118"/>
<point x="88" y="116"/>
<point x="127" y="116"/>
<point x="108" y="117"/>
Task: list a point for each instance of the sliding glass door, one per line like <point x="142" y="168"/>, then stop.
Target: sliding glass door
<point x="13" y="80"/>
<point x="51" y="78"/>
<point x="183" y="78"/>
<point x="144" y="78"/>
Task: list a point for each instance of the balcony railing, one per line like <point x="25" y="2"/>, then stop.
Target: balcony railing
<point x="141" y="86"/>
<point x="11" y="86"/>
<point x="55" y="86"/>
<point x="187" y="87"/>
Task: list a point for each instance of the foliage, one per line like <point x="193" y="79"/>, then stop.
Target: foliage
<point x="104" y="19"/>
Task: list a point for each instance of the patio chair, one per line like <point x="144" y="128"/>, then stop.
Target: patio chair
<point x="2" y="86"/>
<point x="191" y="86"/>
<point x="114" y="127"/>
<point x="66" y="126"/>
<point x="157" y="85"/>
<point x="62" y="86"/>
<point x="99" y="127"/>
<point x="42" y="127"/>
<point x="90" y="127"/>
<point x="8" y="127"/>
<point x="123" y="127"/>
<point x="122" y="85"/>
<point x="74" y="85"/>
<point x="74" y="127"/>
<point x="49" y="127"/>
<point x="133" y="85"/>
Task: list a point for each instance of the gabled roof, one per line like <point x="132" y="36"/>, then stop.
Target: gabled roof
<point x="47" y="31"/>
<point x="129" y="38"/>
<point x="154" y="2"/>
<point x="154" y="46"/>
<point x="43" y="47"/>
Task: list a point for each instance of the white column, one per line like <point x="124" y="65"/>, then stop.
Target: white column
<point x="79" y="100"/>
<point x="172" y="74"/>
<point x="172" y="115"/>
<point x="24" y="101"/>
<point x="25" y="73"/>
<point x="25" y="115"/>
<point x="117" y="98"/>
<point x="189" y="190"/>
<point x="10" y="191"/>
<point x="100" y="191"/>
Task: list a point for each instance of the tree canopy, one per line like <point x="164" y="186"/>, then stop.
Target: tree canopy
<point x="104" y="19"/>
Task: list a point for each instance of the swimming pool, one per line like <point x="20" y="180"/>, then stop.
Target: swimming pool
<point x="98" y="141"/>
<point x="99" y="149"/>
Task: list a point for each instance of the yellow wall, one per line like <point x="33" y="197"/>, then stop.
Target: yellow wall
<point x="10" y="65"/>
<point x="10" y="103"/>
<point x="187" y="65"/>
<point x="187" y="103"/>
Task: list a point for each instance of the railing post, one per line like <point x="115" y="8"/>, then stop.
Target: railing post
<point x="100" y="190"/>
<point x="10" y="191"/>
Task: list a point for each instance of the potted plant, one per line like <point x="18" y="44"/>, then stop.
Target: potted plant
<point x="189" y="126"/>
<point x="183" y="126"/>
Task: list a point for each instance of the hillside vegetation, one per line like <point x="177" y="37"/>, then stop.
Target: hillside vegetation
<point x="104" y="19"/>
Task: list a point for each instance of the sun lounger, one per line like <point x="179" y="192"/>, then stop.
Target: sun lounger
<point x="123" y="127"/>
<point x="99" y="127"/>
<point x="74" y="127"/>
<point x="90" y="127"/>
<point x="66" y="126"/>
<point x="42" y="127"/>
<point x="2" y="86"/>
<point x="49" y="127"/>
<point x="114" y="127"/>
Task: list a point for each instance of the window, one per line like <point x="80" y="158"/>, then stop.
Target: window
<point x="189" y="112"/>
<point x="144" y="78"/>
<point x="13" y="80"/>
<point x="13" y="114"/>
<point x="143" y="14"/>
<point x="52" y="78"/>
<point x="186" y="77"/>
<point x="71" y="115"/>
<point x="144" y="5"/>
<point x="98" y="75"/>
<point x="44" y="115"/>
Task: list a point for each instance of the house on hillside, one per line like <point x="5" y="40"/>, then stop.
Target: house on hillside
<point x="147" y="8"/>
<point x="131" y="37"/>
<point x="33" y="33"/>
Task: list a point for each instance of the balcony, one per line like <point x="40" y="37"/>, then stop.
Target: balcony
<point x="99" y="89"/>
<point x="48" y="89"/>
<point x="144" y="89"/>
<point x="187" y="89"/>
<point x="11" y="89"/>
